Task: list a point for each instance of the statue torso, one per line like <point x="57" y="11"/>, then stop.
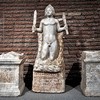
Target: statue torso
<point x="49" y="30"/>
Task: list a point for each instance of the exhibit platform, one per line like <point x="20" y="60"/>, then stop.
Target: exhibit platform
<point x="70" y="94"/>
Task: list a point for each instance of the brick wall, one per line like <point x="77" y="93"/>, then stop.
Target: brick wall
<point x="83" y="18"/>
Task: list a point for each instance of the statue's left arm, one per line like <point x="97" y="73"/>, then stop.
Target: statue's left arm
<point x="60" y="29"/>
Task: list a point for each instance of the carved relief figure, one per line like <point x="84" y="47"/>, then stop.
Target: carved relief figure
<point x="50" y="43"/>
<point x="49" y="27"/>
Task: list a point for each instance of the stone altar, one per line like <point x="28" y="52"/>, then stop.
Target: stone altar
<point x="90" y="83"/>
<point x="49" y="67"/>
<point x="11" y="74"/>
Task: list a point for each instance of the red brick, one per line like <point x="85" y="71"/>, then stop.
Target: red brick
<point x="16" y="27"/>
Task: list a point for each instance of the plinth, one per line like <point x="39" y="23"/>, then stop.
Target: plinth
<point x="11" y="78"/>
<point x="90" y="83"/>
<point x="48" y="82"/>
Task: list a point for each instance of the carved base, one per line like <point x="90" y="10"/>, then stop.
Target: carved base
<point x="11" y="90"/>
<point x="47" y="66"/>
<point x="11" y="78"/>
<point x="48" y="82"/>
<point x="90" y="83"/>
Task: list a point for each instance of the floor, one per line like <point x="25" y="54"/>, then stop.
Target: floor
<point x="70" y="94"/>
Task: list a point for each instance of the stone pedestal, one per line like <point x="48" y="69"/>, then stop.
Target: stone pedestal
<point x="11" y="77"/>
<point x="48" y="82"/>
<point x="49" y="76"/>
<point x="90" y="83"/>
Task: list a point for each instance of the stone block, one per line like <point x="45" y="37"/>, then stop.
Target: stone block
<point x="11" y="75"/>
<point x="48" y="82"/>
<point x="90" y="83"/>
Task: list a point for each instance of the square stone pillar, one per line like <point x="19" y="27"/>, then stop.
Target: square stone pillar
<point x="90" y="83"/>
<point x="11" y="77"/>
<point x="48" y="82"/>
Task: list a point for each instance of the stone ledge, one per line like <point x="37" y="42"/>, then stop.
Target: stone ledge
<point x="91" y="56"/>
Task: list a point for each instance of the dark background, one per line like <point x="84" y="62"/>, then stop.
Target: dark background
<point x="83" y="19"/>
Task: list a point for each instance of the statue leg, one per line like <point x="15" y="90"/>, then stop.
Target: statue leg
<point x="45" y="51"/>
<point x="54" y="50"/>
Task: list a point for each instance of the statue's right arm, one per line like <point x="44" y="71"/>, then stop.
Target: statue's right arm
<point x="40" y="29"/>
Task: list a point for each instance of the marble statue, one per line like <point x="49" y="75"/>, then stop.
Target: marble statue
<point x="49" y="28"/>
<point x="49" y="67"/>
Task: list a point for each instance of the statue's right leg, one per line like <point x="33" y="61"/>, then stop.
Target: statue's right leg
<point x="54" y="51"/>
<point x="45" y="51"/>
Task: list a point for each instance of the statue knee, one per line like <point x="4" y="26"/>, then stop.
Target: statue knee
<point x="52" y="58"/>
<point x="43" y="57"/>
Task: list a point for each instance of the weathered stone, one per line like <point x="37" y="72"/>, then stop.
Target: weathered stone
<point x="49" y="79"/>
<point x="48" y="82"/>
<point x="11" y="74"/>
<point x="49" y="67"/>
<point x="90" y="83"/>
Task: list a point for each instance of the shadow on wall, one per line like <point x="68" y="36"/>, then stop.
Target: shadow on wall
<point x="29" y="77"/>
<point x="74" y="77"/>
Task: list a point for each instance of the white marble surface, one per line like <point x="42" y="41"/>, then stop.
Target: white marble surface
<point x="11" y="74"/>
<point x="48" y="65"/>
<point x="10" y="56"/>
<point x="90" y="83"/>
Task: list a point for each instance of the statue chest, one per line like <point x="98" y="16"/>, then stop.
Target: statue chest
<point x="50" y="28"/>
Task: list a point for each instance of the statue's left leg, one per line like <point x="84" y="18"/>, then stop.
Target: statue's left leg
<point x="53" y="50"/>
<point x="45" y="51"/>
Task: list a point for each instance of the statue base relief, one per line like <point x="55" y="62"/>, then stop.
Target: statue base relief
<point x="48" y="82"/>
<point x="49" y="76"/>
<point x="47" y="66"/>
<point x="11" y="74"/>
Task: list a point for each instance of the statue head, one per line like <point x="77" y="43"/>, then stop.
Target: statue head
<point x="49" y="10"/>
